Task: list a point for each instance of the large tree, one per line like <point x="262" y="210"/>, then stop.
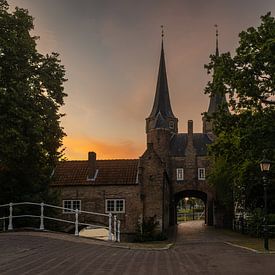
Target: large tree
<point x="248" y="81"/>
<point x="31" y="94"/>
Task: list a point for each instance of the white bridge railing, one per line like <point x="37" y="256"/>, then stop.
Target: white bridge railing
<point x="113" y="222"/>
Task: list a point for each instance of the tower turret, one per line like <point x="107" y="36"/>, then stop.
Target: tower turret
<point x="216" y="100"/>
<point x="161" y="116"/>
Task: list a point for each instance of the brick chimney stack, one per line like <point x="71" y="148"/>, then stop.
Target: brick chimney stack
<point x="190" y="128"/>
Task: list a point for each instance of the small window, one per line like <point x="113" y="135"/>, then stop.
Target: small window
<point x="180" y="174"/>
<point x="171" y="124"/>
<point x="71" y="205"/>
<point x="201" y="173"/>
<point x="115" y="206"/>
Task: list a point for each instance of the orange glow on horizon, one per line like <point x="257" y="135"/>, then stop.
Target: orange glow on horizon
<point x="77" y="148"/>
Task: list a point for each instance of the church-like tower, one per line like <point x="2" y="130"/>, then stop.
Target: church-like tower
<point x="161" y="116"/>
<point x="216" y="100"/>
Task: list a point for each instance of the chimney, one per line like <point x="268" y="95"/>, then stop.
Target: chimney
<point x="91" y="165"/>
<point x="190" y="128"/>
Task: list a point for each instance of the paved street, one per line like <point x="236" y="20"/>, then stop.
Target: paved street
<point x="197" y="251"/>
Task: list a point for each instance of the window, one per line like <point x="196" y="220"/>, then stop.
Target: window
<point x="71" y="205"/>
<point x="201" y="173"/>
<point x="115" y="206"/>
<point x="171" y="124"/>
<point x="180" y="174"/>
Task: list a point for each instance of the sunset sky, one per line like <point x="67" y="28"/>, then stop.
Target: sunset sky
<point x="111" y="48"/>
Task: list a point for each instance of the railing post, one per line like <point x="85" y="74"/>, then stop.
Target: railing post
<point x="42" y="217"/>
<point x="110" y="227"/>
<point x="4" y="224"/>
<point x="10" y="227"/>
<point x="118" y="230"/>
<point x="115" y="222"/>
<point x="76" y="233"/>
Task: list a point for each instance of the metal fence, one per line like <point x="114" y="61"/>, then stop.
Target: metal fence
<point x="191" y="216"/>
<point x="113" y="223"/>
<point x="245" y="225"/>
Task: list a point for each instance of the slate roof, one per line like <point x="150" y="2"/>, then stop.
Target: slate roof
<point x="200" y="142"/>
<point x="162" y="101"/>
<point x="215" y="102"/>
<point x="110" y="172"/>
<point x="179" y="142"/>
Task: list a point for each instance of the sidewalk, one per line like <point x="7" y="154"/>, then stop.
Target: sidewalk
<point x="196" y="231"/>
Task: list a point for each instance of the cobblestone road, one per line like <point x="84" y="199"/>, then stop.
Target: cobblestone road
<point x="197" y="251"/>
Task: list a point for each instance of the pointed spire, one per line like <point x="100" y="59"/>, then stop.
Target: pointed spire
<point x="162" y="101"/>
<point x="217" y="40"/>
<point x="161" y="116"/>
<point x="216" y="100"/>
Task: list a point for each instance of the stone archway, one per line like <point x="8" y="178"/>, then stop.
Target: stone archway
<point x="206" y="198"/>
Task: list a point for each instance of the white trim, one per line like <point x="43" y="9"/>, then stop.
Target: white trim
<point x="171" y="124"/>
<point x="94" y="178"/>
<point x="180" y="174"/>
<point x="201" y="173"/>
<point x="115" y="205"/>
<point x="66" y="211"/>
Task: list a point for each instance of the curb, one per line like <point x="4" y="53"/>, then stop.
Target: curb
<point x="250" y="249"/>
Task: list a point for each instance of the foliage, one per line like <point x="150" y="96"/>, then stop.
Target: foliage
<point x="146" y="230"/>
<point x="31" y="94"/>
<point x="248" y="81"/>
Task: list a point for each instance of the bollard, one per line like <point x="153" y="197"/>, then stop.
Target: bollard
<point x="10" y="227"/>
<point x="76" y="233"/>
<point x="42" y="217"/>
<point x="118" y="230"/>
<point x="110" y="227"/>
<point x="115" y="221"/>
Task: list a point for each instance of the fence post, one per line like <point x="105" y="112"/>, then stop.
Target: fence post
<point x="10" y="227"/>
<point x="115" y="235"/>
<point x="76" y="233"/>
<point x="118" y="230"/>
<point x="42" y="217"/>
<point x="110" y="227"/>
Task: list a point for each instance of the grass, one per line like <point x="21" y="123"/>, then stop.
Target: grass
<point x="247" y="241"/>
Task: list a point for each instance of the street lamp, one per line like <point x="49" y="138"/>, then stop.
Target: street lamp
<point x="265" y="166"/>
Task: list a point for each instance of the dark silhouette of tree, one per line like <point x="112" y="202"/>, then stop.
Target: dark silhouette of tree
<point x="31" y="94"/>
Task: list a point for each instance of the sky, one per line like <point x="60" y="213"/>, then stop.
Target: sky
<point x="111" y="49"/>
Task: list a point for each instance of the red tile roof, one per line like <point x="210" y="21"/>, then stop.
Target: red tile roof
<point x="110" y="172"/>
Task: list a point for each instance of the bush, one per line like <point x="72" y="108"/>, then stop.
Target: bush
<point x="146" y="230"/>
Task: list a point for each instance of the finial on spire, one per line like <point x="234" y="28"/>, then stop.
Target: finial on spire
<point x="217" y="39"/>
<point x="162" y="31"/>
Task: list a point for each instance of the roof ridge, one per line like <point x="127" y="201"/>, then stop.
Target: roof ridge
<point x="85" y="160"/>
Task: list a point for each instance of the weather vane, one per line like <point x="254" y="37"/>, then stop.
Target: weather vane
<point x="162" y="31"/>
<point x="217" y="31"/>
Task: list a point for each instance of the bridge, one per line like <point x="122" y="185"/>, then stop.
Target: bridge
<point x="31" y="212"/>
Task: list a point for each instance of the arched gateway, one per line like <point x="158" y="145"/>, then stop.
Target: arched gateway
<point x="204" y="197"/>
<point x="175" y="164"/>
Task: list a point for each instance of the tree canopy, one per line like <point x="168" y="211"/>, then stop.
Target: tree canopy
<point x="248" y="81"/>
<point x="31" y="94"/>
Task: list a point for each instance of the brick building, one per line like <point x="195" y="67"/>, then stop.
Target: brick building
<point x="173" y="166"/>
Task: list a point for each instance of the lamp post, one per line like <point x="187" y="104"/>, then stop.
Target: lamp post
<point x="265" y="166"/>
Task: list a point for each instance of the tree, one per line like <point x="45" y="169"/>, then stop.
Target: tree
<point x="248" y="80"/>
<point x="31" y="94"/>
